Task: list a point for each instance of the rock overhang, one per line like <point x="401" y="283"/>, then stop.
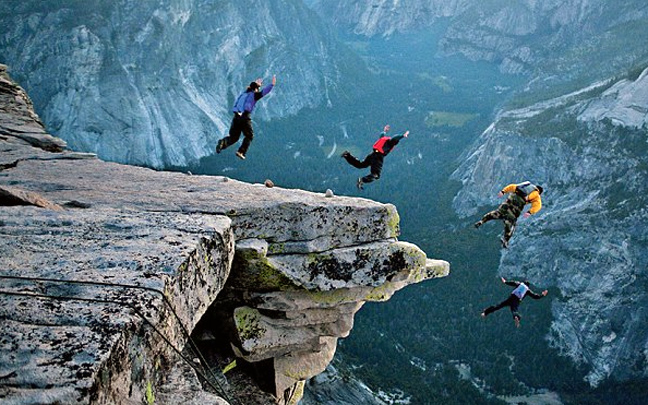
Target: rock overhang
<point x="129" y="259"/>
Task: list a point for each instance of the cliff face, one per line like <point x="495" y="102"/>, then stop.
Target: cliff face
<point x="386" y="17"/>
<point x="152" y="83"/>
<point x="541" y="37"/>
<point x="334" y="388"/>
<point x="588" y="150"/>
<point x="108" y="269"/>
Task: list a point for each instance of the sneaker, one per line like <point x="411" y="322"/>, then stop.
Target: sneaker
<point x="240" y="155"/>
<point x="504" y="243"/>
<point x="220" y="145"/>
<point x="478" y="224"/>
<point x="517" y="321"/>
<point x="359" y="184"/>
<point x="483" y="314"/>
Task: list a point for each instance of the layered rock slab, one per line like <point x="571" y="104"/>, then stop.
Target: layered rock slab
<point x="91" y="302"/>
<point x="106" y="268"/>
<point x="291" y="308"/>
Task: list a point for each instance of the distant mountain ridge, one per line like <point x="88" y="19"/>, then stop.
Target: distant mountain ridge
<point x="544" y="38"/>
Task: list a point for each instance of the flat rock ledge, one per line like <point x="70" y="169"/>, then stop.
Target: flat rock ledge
<point x="107" y="270"/>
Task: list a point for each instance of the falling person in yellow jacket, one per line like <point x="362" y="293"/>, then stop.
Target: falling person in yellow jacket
<point x="519" y="195"/>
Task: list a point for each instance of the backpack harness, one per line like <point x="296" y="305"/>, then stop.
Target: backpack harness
<point x="525" y="188"/>
<point x="520" y="291"/>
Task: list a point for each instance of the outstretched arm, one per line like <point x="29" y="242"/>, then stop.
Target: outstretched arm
<point x="394" y="141"/>
<point x="267" y="89"/>
<point x="537" y="296"/>
<point x="508" y="189"/>
<point x="512" y="283"/>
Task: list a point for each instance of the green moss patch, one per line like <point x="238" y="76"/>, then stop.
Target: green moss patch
<point x="248" y="324"/>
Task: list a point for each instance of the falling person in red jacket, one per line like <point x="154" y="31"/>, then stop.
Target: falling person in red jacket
<point x="381" y="148"/>
<point x="513" y="301"/>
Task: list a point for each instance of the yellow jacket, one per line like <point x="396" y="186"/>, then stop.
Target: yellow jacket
<point x="533" y="198"/>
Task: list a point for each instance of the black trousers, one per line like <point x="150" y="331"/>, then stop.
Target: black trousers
<point x="240" y="123"/>
<point x="374" y="159"/>
<point x="512" y="301"/>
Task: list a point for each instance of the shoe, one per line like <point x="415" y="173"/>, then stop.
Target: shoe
<point x="483" y="314"/>
<point x="345" y="153"/>
<point x="240" y="155"/>
<point x="517" y="321"/>
<point x="504" y="243"/>
<point x="478" y="224"/>
<point x="359" y="184"/>
<point x="220" y="145"/>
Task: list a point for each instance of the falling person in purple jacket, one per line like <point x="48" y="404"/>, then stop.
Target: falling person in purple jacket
<point x="242" y="122"/>
<point x="513" y="301"/>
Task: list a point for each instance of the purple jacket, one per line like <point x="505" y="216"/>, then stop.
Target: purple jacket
<point x="247" y="100"/>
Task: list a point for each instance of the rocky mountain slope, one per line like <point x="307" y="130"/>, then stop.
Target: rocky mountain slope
<point x="152" y="83"/>
<point x="588" y="149"/>
<point x="545" y="38"/>
<point x="107" y="270"/>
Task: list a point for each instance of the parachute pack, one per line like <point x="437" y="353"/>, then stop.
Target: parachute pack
<point x="525" y="188"/>
<point x="521" y="290"/>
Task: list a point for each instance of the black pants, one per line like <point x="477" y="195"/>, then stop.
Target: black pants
<point x="374" y="159"/>
<point x="240" y="123"/>
<point x="512" y="301"/>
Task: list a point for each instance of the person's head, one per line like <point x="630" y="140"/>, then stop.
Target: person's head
<point x="254" y="86"/>
<point x="526" y="282"/>
<point x="540" y="189"/>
